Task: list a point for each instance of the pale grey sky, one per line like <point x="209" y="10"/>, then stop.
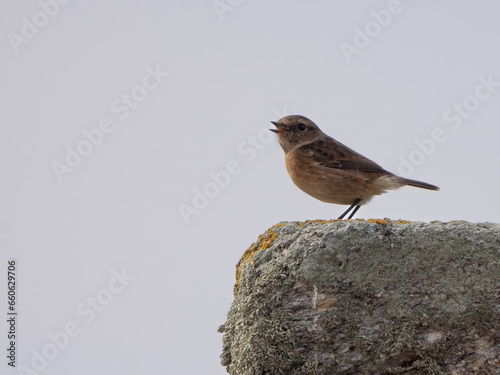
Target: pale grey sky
<point x="136" y="165"/>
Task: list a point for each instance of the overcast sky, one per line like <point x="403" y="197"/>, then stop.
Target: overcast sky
<point x="137" y="166"/>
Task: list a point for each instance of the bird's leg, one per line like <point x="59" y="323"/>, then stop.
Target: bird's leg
<point x="353" y="212"/>
<point x="350" y="208"/>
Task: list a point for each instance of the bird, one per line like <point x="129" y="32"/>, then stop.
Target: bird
<point x="329" y="171"/>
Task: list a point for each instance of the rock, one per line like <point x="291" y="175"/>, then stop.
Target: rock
<point x="367" y="297"/>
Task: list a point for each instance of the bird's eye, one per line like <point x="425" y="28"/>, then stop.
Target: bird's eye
<point x="302" y="127"/>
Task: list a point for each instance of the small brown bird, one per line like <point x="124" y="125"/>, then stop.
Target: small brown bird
<point x="331" y="172"/>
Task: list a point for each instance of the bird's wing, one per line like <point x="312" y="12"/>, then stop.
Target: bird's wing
<point x="330" y="153"/>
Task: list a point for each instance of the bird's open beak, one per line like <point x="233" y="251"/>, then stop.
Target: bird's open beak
<point x="280" y="127"/>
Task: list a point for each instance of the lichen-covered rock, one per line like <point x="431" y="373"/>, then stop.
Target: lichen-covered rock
<point x="367" y="297"/>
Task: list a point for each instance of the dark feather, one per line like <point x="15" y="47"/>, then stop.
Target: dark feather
<point x="330" y="153"/>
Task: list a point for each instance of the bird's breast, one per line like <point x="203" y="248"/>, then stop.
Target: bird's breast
<point x="328" y="184"/>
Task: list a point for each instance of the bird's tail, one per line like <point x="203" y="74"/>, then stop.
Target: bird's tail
<point x="419" y="184"/>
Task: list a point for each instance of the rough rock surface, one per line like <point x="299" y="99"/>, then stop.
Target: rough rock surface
<point x="367" y="297"/>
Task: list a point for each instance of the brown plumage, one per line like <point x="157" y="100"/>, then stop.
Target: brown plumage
<point x="330" y="171"/>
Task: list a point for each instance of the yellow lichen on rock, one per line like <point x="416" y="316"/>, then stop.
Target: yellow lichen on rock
<point x="372" y="296"/>
<point x="301" y="224"/>
<point x="379" y="221"/>
<point x="266" y="239"/>
<point x="264" y="242"/>
<point x="403" y="222"/>
<point x="386" y="221"/>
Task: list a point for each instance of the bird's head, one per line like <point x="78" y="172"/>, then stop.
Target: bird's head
<point x="295" y="131"/>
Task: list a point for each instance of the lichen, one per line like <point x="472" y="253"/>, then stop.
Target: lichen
<point x="379" y="221"/>
<point x="264" y="242"/>
<point x="302" y="223"/>
<point x="386" y="221"/>
<point x="419" y="306"/>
